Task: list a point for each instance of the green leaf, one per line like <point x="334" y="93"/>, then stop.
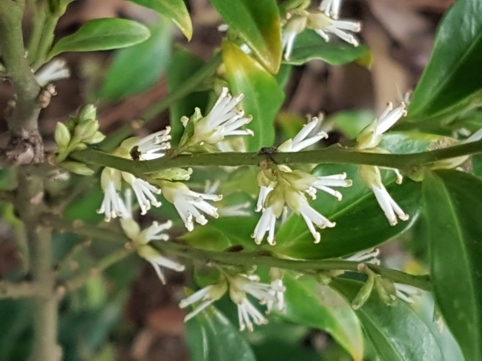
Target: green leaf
<point x="221" y="340"/>
<point x="396" y="332"/>
<point x="311" y="304"/>
<point x="263" y="96"/>
<point x="173" y="9"/>
<point x="184" y="64"/>
<point x="453" y="209"/>
<point x="309" y="45"/>
<point x="360" y="222"/>
<point x="102" y="34"/>
<point x="453" y="73"/>
<point x="138" y="67"/>
<point x="258" y="24"/>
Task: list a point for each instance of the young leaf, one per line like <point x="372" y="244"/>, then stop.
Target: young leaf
<point x="452" y="201"/>
<point x="102" y="34"/>
<point x="309" y="304"/>
<point x="263" y="96"/>
<point x="309" y="45"/>
<point x="183" y="65"/>
<point x="360" y="222"/>
<point x="453" y="73"/>
<point x="396" y="332"/>
<point x="173" y="9"/>
<point x="258" y="24"/>
<point x="137" y="68"/>
<point x="220" y="339"/>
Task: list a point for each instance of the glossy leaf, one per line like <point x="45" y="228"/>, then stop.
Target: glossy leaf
<point x="172" y="9"/>
<point x="453" y="209"/>
<point x="258" y="24"/>
<point x="263" y="96"/>
<point x="308" y="303"/>
<point x="360" y="222"/>
<point x="412" y="142"/>
<point x="309" y="46"/>
<point x="453" y="73"/>
<point x="184" y="64"/>
<point x="396" y="332"/>
<point x="138" y="67"/>
<point x="102" y="34"/>
<point x="220" y="339"/>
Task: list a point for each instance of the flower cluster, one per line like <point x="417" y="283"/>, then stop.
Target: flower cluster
<point x="239" y="287"/>
<point x="280" y="186"/>
<point x="111" y="179"/>
<point x="202" y="134"/>
<point x="368" y="141"/>
<point x="323" y="22"/>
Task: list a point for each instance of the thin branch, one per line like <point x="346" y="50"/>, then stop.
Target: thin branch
<point x="19" y="289"/>
<point x="260" y="259"/>
<point x="334" y="154"/>
<point x="103" y="264"/>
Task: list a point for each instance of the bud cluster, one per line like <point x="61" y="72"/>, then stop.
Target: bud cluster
<point x="76" y="134"/>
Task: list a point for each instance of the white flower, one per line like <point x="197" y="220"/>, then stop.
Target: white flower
<point x="206" y="295"/>
<point x="157" y="261"/>
<point x="312" y="218"/>
<point x="302" y="140"/>
<point x="277" y="290"/>
<point x="331" y="8"/>
<point x="141" y="240"/>
<point x="342" y="29"/>
<point x="144" y="192"/>
<point x="371" y="136"/>
<point x="188" y="203"/>
<point x="266" y="223"/>
<point x="372" y="178"/>
<point x="309" y="183"/>
<point x="112" y="204"/>
<point x="52" y="71"/>
<point x="151" y="147"/>
<point x="366" y="256"/>
<point x="239" y="286"/>
<point x="368" y="140"/>
<point x="223" y="120"/>
<point x="404" y="292"/>
<point x="294" y="26"/>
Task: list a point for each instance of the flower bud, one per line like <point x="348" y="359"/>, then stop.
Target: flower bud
<point x="62" y="135"/>
<point x="364" y="292"/>
<point x="386" y="290"/>
<point x="86" y="130"/>
<point x="176" y="174"/>
<point x="96" y="138"/>
<point x="77" y="168"/>
<point x="89" y="112"/>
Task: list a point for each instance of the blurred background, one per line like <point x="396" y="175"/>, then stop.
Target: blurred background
<point x="125" y="313"/>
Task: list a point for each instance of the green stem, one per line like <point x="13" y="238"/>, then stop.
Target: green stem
<point x="19" y="289"/>
<point x="46" y="40"/>
<point x="78" y="281"/>
<point x="248" y="258"/>
<point x="182" y="91"/>
<point x="333" y="154"/>
<point x="258" y="259"/>
<point x="38" y="24"/>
